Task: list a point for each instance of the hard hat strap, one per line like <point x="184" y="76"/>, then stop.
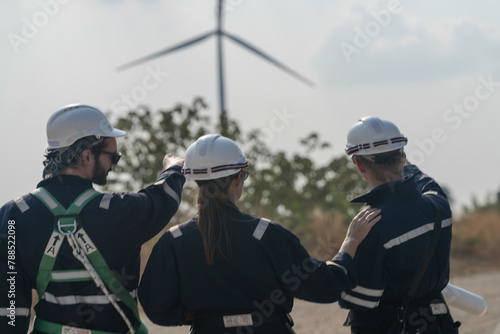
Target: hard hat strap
<point x="210" y="170"/>
<point x="375" y="144"/>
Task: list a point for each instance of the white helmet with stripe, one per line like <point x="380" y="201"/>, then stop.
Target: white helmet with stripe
<point x="372" y="135"/>
<point x="213" y="156"/>
<point x="76" y="121"/>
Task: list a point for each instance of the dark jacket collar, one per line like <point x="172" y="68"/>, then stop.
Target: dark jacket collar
<point x="402" y="188"/>
<point x="65" y="180"/>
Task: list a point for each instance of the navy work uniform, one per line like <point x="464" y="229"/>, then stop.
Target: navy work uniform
<point x="251" y="291"/>
<point x="115" y="225"/>
<point x="390" y="256"/>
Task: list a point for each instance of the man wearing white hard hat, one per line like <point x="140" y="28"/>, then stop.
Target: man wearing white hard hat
<point x="78" y="248"/>
<point x="403" y="263"/>
<point x="227" y="272"/>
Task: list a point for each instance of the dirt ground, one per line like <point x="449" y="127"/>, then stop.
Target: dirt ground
<point x="311" y="318"/>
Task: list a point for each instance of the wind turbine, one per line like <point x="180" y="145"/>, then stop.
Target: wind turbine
<point x="219" y="33"/>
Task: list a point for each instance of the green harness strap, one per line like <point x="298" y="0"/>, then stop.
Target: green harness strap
<point x="68" y="223"/>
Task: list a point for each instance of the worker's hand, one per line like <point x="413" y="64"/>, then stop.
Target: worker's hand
<point x="358" y="229"/>
<point x="362" y="224"/>
<point x="171" y="160"/>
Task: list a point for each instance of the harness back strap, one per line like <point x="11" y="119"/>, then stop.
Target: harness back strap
<point x="67" y="220"/>
<point x="114" y="284"/>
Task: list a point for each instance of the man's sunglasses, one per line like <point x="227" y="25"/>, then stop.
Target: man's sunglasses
<point x="115" y="156"/>
<point x="244" y="175"/>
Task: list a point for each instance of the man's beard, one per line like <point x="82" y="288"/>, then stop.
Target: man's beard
<point x="99" y="174"/>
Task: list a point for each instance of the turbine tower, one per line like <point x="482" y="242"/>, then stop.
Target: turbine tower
<point x="219" y="33"/>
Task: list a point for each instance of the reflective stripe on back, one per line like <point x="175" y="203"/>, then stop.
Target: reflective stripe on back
<point x="415" y="233"/>
<point x="261" y="228"/>
<point x="70" y="275"/>
<point x="72" y="299"/>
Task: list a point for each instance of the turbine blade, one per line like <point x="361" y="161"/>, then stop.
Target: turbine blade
<point x="164" y="52"/>
<point x="268" y="58"/>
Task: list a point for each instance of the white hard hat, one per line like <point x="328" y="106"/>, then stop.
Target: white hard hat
<point x="372" y="135"/>
<point x="212" y="157"/>
<point x="76" y="121"/>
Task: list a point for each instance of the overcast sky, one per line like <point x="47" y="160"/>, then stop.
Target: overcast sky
<point x="430" y="67"/>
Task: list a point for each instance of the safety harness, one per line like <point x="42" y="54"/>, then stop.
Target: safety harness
<point x="67" y="224"/>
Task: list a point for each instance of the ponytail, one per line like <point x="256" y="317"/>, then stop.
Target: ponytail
<point x="212" y="197"/>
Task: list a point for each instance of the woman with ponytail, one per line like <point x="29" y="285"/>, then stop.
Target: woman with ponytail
<point x="225" y="271"/>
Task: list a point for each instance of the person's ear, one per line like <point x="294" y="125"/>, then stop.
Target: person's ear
<point x="237" y="180"/>
<point x="86" y="156"/>
<point x="360" y="165"/>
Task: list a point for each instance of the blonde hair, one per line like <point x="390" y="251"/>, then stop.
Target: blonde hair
<point x="384" y="170"/>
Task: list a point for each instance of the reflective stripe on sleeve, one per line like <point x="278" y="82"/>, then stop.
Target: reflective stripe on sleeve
<point x="18" y="312"/>
<point x="72" y="300"/>
<point x="261" y="228"/>
<point x="358" y="301"/>
<point x="171" y="192"/>
<point x="21" y="204"/>
<point x="105" y="201"/>
<point x="368" y="292"/>
<point x="430" y="192"/>
<point x="176" y="231"/>
<point x="415" y="233"/>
